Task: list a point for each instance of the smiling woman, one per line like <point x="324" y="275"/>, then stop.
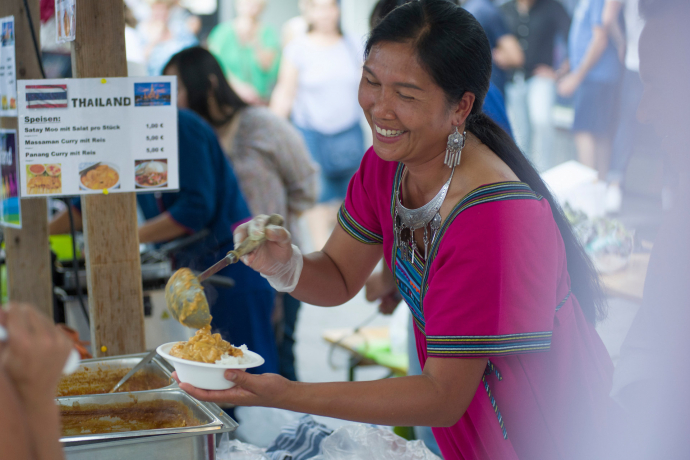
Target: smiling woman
<point x="503" y="298"/>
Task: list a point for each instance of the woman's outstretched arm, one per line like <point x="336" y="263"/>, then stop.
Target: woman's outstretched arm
<point x="438" y="397"/>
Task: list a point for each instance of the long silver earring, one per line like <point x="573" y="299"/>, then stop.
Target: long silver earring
<point x="456" y="142"/>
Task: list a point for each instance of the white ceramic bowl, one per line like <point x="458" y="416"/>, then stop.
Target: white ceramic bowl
<point x="204" y="375"/>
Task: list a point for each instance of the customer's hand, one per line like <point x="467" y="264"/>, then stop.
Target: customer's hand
<point x="381" y="286"/>
<point x="35" y="353"/>
<point x="277" y="259"/>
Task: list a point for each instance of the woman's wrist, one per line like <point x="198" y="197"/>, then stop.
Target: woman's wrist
<point x="286" y="276"/>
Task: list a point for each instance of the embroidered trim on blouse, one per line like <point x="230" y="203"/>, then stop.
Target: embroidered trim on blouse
<point x="567" y="296"/>
<point x="493" y="192"/>
<point x="494" y="345"/>
<point x="408" y="277"/>
<point x="491" y="369"/>
<point x="355" y="230"/>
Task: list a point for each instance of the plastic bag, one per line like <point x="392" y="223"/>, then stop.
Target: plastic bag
<point x="360" y="442"/>
<point x="236" y="450"/>
<point x="259" y="426"/>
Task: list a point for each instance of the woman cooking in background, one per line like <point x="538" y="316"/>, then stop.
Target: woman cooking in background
<point x="268" y="155"/>
<point x="317" y="89"/>
<point x="503" y="295"/>
<point x="209" y="198"/>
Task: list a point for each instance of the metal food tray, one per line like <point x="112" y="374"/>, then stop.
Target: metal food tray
<point x="185" y="443"/>
<point x="209" y="420"/>
<point x="158" y="365"/>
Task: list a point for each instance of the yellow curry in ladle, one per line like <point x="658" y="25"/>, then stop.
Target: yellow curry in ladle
<point x="186" y="299"/>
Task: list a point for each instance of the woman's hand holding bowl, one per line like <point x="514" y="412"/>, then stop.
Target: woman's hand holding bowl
<point x="269" y="390"/>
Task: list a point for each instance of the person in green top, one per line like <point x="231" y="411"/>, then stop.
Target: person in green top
<point x="248" y="51"/>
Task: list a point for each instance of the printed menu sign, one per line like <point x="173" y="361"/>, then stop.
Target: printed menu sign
<point x="8" y="78"/>
<point x="10" y="210"/>
<point x="97" y="135"/>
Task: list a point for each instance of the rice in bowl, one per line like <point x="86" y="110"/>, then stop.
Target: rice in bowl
<point x="229" y="360"/>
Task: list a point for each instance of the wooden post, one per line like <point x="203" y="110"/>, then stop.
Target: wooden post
<point x="113" y="264"/>
<point x="28" y="251"/>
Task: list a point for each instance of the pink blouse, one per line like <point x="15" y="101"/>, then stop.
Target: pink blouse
<point x="496" y="286"/>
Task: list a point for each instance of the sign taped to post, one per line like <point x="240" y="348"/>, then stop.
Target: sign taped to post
<point x="8" y="69"/>
<point x="10" y="208"/>
<point x="98" y="135"/>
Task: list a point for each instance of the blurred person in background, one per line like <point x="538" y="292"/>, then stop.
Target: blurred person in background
<point x="248" y="52"/>
<point x="505" y="48"/>
<point x="630" y="132"/>
<point x="531" y="94"/>
<point x="268" y="155"/>
<point x="592" y="81"/>
<point x="210" y="200"/>
<point x="317" y="90"/>
<point x="31" y="362"/>
<point x="295" y="27"/>
<point x="652" y="375"/>
<point x="134" y="46"/>
<point x="168" y="29"/>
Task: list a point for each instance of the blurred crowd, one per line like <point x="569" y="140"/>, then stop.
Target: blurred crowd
<point x="559" y="65"/>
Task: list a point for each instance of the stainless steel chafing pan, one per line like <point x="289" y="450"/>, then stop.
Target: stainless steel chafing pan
<point x="189" y="442"/>
<point x="101" y="370"/>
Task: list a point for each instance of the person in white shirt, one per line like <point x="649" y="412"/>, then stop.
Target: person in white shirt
<point x="317" y="89"/>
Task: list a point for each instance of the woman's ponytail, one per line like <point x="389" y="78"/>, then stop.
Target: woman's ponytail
<point x="584" y="280"/>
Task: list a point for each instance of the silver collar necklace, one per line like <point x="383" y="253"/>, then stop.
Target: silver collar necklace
<point x="426" y="217"/>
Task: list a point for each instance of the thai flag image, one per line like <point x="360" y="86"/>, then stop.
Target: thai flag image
<point x="46" y="97"/>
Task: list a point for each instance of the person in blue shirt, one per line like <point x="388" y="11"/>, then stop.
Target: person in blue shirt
<point x="593" y="84"/>
<point x="209" y="198"/>
<point x="505" y="47"/>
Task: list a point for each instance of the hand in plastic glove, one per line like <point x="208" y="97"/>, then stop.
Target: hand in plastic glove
<point x="277" y="259"/>
<point x="268" y="390"/>
<point x="35" y="352"/>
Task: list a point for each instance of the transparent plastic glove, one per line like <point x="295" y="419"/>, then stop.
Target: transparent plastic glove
<point x="277" y="259"/>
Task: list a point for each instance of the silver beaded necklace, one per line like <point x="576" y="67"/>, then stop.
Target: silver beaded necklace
<point x="426" y="217"/>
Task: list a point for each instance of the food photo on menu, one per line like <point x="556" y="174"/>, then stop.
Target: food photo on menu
<point x="43" y="179"/>
<point x="98" y="176"/>
<point x="151" y="173"/>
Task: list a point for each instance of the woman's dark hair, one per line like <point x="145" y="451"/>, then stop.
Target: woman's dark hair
<point x="383" y="7"/>
<point x="453" y="48"/>
<point x="195" y="66"/>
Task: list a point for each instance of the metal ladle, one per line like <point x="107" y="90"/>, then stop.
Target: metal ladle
<point x="184" y="294"/>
